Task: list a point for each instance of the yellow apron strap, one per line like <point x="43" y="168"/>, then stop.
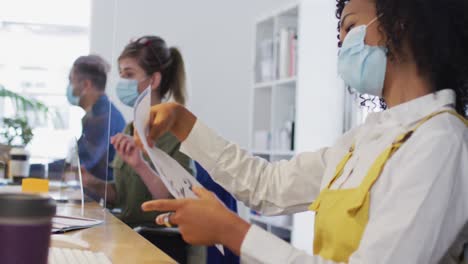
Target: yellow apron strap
<point x="453" y="112"/>
<point x="378" y="165"/>
<point x="338" y="172"/>
<point x="340" y="168"/>
<point x="375" y="171"/>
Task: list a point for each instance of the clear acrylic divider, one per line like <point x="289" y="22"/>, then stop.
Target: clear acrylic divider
<point x="84" y="177"/>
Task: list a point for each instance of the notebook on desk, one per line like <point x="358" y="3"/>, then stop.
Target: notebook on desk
<point x="62" y="224"/>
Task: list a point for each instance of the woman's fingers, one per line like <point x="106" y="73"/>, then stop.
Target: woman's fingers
<point x="115" y="138"/>
<point x="123" y="144"/>
<point x="163" y="205"/>
<point x="201" y="221"/>
<point x="129" y="146"/>
<point x="117" y="142"/>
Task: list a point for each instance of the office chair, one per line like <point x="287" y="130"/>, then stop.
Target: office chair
<point x="167" y="239"/>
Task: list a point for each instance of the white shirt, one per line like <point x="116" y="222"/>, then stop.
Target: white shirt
<point x="418" y="205"/>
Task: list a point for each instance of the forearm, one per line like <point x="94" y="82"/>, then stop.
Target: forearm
<point x="261" y="185"/>
<point x="152" y="181"/>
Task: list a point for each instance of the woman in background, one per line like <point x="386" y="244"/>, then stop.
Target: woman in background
<point x="144" y="63"/>
<point x="148" y="63"/>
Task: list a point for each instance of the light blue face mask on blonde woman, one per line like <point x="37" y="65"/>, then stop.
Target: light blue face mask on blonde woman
<point x="362" y="67"/>
<point x="127" y="91"/>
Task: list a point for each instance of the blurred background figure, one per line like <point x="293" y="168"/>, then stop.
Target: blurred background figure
<point x="102" y="120"/>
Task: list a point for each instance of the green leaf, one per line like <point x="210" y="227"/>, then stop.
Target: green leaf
<point x="23" y="104"/>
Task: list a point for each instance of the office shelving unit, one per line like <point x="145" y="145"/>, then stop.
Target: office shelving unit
<point x="274" y="98"/>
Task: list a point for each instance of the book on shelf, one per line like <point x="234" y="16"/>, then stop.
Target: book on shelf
<point x="292" y="54"/>
<point x="287" y="57"/>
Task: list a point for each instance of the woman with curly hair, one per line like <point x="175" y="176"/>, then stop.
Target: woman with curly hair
<point x="392" y="190"/>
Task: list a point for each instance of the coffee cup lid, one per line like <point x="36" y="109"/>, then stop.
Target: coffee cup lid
<point x="26" y="205"/>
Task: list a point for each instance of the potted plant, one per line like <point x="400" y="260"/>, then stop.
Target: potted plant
<point x="16" y="132"/>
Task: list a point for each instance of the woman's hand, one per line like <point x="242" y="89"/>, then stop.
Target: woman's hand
<point x="169" y="117"/>
<point x="204" y="221"/>
<point x="128" y="150"/>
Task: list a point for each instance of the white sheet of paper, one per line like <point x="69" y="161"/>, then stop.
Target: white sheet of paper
<point x="176" y="179"/>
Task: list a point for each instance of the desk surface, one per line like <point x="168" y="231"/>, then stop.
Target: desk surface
<point x="118" y="241"/>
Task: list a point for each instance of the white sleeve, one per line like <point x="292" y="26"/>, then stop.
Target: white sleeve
<point x="424" y="207"/>
<point x="282" y="187"/>
<point x="260" y="246"/>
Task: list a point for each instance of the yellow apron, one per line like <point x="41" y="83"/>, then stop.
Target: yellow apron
<point x="342" y="214"/>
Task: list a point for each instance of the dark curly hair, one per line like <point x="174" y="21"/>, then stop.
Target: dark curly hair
<point x="437" y="34"/>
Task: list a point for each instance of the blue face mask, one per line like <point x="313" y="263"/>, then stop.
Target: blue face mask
<point x="73" y="100"/>
<point x="127" y="91"/>
<point x="361" y="66"/>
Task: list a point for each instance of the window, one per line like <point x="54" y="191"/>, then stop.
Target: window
<point x="39" y="44"/>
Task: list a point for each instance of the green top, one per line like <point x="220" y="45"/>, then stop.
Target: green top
<point x="130" y="188"/>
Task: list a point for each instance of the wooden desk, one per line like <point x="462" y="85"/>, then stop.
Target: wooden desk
<point x="118" y="241"/>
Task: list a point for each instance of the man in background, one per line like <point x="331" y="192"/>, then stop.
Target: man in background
<point x="102" y="120"/>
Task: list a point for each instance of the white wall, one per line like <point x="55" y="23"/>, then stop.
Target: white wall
<point x="216" y="39"/>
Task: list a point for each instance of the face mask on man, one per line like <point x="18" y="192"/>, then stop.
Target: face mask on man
<point x="362" y="67"/>
<point x="73" y="100"/>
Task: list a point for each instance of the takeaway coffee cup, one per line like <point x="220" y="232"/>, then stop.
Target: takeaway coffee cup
<point x="19" y="164"/>
<point x="25" y="228"/>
